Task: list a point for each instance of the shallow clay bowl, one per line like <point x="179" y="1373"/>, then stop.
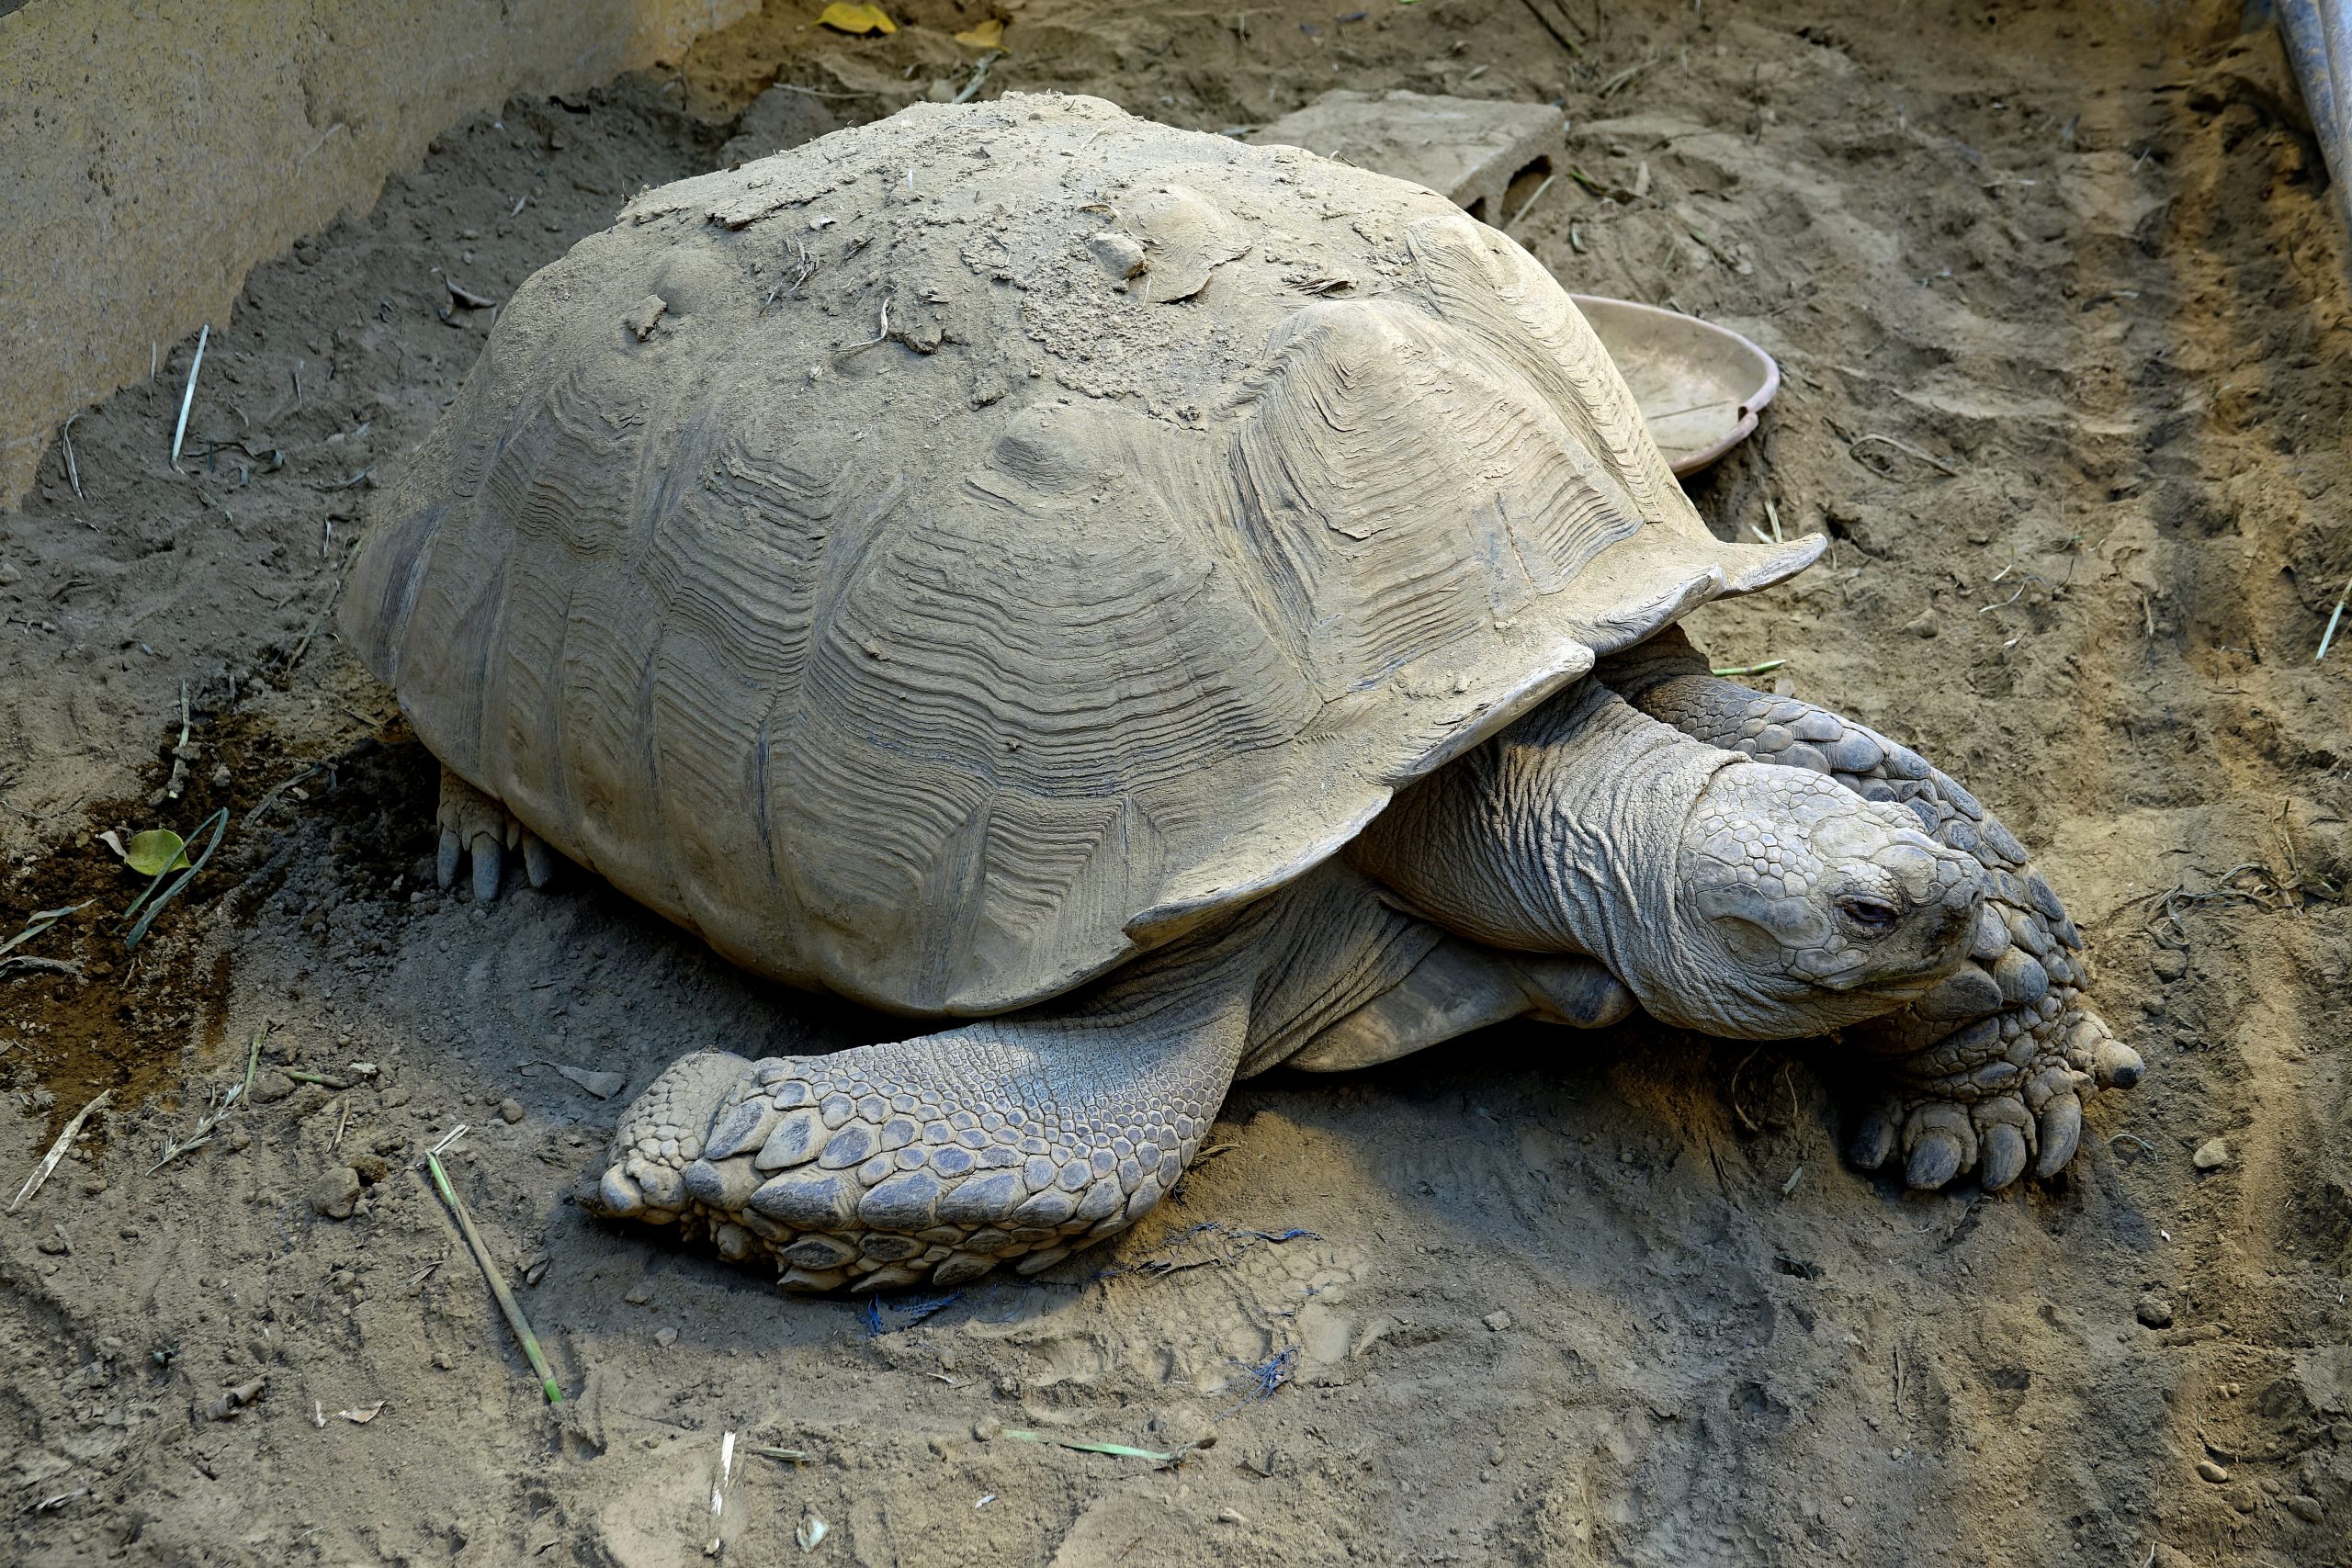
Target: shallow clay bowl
<point x="1699" y="386"/>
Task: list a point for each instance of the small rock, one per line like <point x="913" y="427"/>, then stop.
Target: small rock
<point x="665" y="1337"/>
<point x="639" y="1293"/>
<point x="54" y="1244"/>
<point x="335" y="1193"/>
<point x="2168" y="962"/>
<point x="1498" y="1321"/>
<point x="2154" y="1311"/>
<point x="2306" y="1509"/>
<point x="238" y="1139"/>
<point x="394" y="1097"/>
<point x="1923" y="624"/>
<point x="988" y="1428"/>
<point x="226" y="1408"/>
<point x="272" y="1087"/>
<point x="510" y="1111"/>
<point x="1231" y="1516"/>
<point x="2212" y="1471"/>
<point x="642" y="317"/>
<point x="2212" y="1154"/>
<point x="603" y="1085"/>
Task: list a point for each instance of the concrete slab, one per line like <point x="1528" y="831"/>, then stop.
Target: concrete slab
<point x="1470" y="151"/>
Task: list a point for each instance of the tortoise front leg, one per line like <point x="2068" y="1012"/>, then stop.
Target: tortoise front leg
<point x="1991" y="1067"/>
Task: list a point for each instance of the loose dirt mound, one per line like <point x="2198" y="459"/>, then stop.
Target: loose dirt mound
<point x="2067" y="341"/>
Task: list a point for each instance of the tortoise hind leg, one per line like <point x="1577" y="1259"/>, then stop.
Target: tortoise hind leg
<point x="477" y="827"/>
<point x="1018" y="1139"/>
<point x="1014" y="1140"/>
<point x="936" y="1157"/>
<point x="1989" y="1070"/>
<point x="1458" y="988"/>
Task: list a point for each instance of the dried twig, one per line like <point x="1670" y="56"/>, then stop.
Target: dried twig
<point x="721" y="1486"/>
<point x="311" y="631"/>
<point x="270" y="800"/>
<point x="44" y="965"/>
<point x="1531" y="201"/>
<point x="1543" y="18"/>
<point x="2334" y="616"/>
<point x="980" y="76"/>
<point x="188" y="398"/>
<point x="42" y="920"/>
<point x="72" y="470"/>
<point x="1119" y="1450"/>
<point x="1905" y="447"/>
<point x="882" y="334"/>
<point x="1619" y="80"/>
<point x="56" y="1152"/>
<point x="514" y="1319"/>
<point x="209" y="1122"/>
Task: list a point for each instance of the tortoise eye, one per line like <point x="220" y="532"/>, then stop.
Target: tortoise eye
<point x="1873" y="913"/>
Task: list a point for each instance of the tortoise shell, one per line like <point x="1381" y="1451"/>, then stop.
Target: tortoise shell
<point x="941" y="561"/>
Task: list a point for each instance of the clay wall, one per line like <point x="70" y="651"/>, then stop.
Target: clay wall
<point x="153" y="151"/>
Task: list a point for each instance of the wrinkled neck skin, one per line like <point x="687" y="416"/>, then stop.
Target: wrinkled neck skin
<point x="1562" y="834"/>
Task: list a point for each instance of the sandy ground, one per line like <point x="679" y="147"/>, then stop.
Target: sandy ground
<point x="1538" y="1299"/>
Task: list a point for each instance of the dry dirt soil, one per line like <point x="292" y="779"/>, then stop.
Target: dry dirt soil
<point x="1542" y="1298"/>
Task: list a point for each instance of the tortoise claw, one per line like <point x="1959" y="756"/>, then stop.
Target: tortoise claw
<point x="538" y="861"/>
<point x="2110" y="1063"/>
<point x="1935" y="1160"/>
<point x="1873" y="1136"/>
<point x="2062" y="1130"/>
<point x="490" y="865"/>
<point x="478" y="828"/>
<point x="2003" y="1156"/>
<point x="1939" y="1145"/>
<point x="2117" y="1065"/>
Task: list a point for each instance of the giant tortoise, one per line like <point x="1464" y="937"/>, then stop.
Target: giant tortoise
<point x="1152" y="608"/>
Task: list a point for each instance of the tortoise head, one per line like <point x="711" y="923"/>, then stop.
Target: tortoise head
<point x="1806" y="907"/>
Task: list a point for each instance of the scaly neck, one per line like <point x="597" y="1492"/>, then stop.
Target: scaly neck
<point x="1559" y="834"/>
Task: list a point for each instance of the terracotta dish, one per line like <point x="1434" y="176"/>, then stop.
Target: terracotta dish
<point x="1700" y="387"/>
